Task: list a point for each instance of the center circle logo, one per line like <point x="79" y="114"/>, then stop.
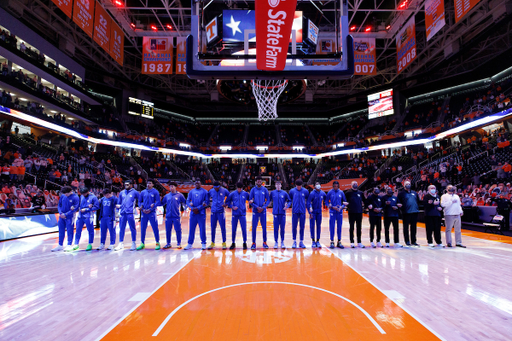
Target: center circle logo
<point x="264" y="257"/>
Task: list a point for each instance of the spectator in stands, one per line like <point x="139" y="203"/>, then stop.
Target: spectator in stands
<point x="9" y="205"/>
<point x="75" y="184"/>
<point x="38" y="202"/>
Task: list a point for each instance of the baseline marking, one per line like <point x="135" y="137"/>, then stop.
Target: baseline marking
<point x="267" y="282"/>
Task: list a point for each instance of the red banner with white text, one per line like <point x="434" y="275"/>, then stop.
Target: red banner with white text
<point x="274" y="20"/>
<point x="83" y="15"/>
<point x="102" y="23"/>
<point x="65" y="6"/>
<point x="406" y="45"/>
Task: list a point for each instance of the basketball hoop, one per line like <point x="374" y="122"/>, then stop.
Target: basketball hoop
<point x="267" y="94"/>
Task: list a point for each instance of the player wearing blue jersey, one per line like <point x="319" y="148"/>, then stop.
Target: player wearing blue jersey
<point x="197" y="200"/>
<point x="149" y="201"/>
<point x="298" y="196"/>
<point x="107" y="215"/>
<point x="126" y="202"/>
<point x="237" y="201"/>
<point x="259" y="199"/>
<point x="88" y="205"/>
<point x="218" y="195"/>
<point x="172" y="202"/>
<point x="68" y="205"/>
<point x="280" y="201"/>
<point x="315" y="203"/>
<point x="336" y="201"/>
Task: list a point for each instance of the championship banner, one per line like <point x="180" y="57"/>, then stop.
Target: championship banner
<point x="102" y="24"/>
<point x="116" y="43"/>
<point x="406" y="45"/>
<point x="29" y="225"/>
<point x="462" y="7"/>
<point x="157" y="55"/>
<point x="274" y="20"/>
<point x="434" y="17"/>
<point x="83" y="15"/>
<point x="66" y="6"/>
<point x="344" y="184"/>
<point x="365" y="57"/>
<point x="181" y="55"/>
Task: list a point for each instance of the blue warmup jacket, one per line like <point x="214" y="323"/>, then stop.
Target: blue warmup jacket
<point x="85" y="202"/>
<point x="298" y="199"/>
<point x="315" y="200"/>
<point x="127" y="201"/>
<point x="239" y="200"/>
<point x="335" y="198"/>
<point x="65" y="204"/>
<point x="148" y="197"/>
<point x="260" y="197"/>
<point x="108" y="208"/>
<point x="409" y="201"/>
<point x="218" y="199"/>
<point x="172" y="203"/>
<point x="198" y="197"/>
<point x="279" y="200"/>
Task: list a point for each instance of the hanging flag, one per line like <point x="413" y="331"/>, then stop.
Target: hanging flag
<point x="406" y="45"/>
<point x="434" y="17"/>
<point x="181" y="55"/>
<point x="157" y="55"/>
<point x="65" y="6"/>
<point x="102" y="23"/>
<point x="116" y="43"/>
<point x="83" y="15"/>
<point x="365" y="57"/>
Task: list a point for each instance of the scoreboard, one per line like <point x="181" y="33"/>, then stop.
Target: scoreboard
<point x="140" y="107"/>
<point x="380" y="104"/>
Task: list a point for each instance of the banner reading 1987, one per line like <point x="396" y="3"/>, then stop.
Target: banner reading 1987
<point x="157" y="55"/>
<point x="406" y="45"/>
<point x="181" y="55"/>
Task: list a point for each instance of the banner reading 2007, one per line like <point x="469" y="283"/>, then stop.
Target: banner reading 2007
<point x="406" y="45"/>
<point x="157" y="55"/>
<point x="365" y="56"/>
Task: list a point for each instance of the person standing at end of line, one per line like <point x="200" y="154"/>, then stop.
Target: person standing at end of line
<point x="68" y="205"/>
<point x="452" y="213"/>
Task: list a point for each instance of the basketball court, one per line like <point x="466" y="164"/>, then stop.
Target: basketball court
<point x="354" y="294"/>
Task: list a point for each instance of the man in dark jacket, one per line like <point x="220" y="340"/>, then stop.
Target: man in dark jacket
<point x="355" y="212"/>
<point x="409" y="203"/>
<point x="391" y="217"/>
<point x="374" y="204"/>
<point x="433" y="209"/>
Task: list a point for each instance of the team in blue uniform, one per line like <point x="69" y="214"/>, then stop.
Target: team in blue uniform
<point x="149" y="201"/>
<point x="237" y="201"/>
<point x="68" y="205"/>
<point x="280" y="202"/>
<point x="259" y="200"/>
<point x="336" y="201"/>
<point x="298" y="196"/>
<point x="173" y="202"/>
<point x="107" y="217"/>
<point x="197" y="201"/>
<point x="88" y="205"/>
<point x="218" y="195"/>
<point x="316" y="200"/>
<point x="126" y="202"/>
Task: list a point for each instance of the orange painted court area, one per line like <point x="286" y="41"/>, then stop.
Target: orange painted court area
<point x="287" y="295"/>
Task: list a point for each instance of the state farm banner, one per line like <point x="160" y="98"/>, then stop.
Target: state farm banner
<point x="102" y="24"/>
<point x="83" y="15"/>
<point x="406" y="45"/>
<point x="434" y="17"/>
<point x="274" y="20"/>
<point x="365" y="57"/>
<point x="116" y="43"/>
<point x="462" y="7"/>
<point x="181" y="55"/>
<point x="65" y="6"/>
<point x="157" y="55"/>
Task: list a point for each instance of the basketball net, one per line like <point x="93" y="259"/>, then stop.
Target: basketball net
<point x="267" y="94"/>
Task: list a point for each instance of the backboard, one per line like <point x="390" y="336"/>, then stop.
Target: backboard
<point x="223" y="39"/>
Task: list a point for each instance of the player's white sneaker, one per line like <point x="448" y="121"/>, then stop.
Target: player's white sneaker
<point x="203" y="246"/>
<point x="283" y="246"/>
<point x="134" y="247"/>
<point x="440" y="245"/>
<point x="102" y="247"/>
<point x="68" y="248"/>
<point x="387" y="244"/>
<point x="276" y="245"/>
<point x="188" y="247"/>
<point x="431" y="246"/>
<point x="119" y="247"/>
<point x="398" y="245"/>
<point x="373" y="245"/>
<point x="352" y="245"/>
<point x="360" y="245"/>
<point x="111" y="247"/>
<point x="58" y="248"/>
<point x="379" y="244"/>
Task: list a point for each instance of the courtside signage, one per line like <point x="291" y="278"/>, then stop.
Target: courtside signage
<point x="312" y="32"/>
<point x="274" y="20"/>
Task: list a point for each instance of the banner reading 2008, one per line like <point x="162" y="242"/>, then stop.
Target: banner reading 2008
<point x="157" y="55"/>
<point x="406" y="45"/>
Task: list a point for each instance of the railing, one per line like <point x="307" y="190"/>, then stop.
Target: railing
<point x="386" y="164"/>
<point x="477" y="155"/>
<point x="32" y="175"/>
<point x="51" y="182"/>
<point x="315" y="172"/>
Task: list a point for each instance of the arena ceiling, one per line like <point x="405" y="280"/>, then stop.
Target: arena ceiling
<point x="458" y="48"/>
